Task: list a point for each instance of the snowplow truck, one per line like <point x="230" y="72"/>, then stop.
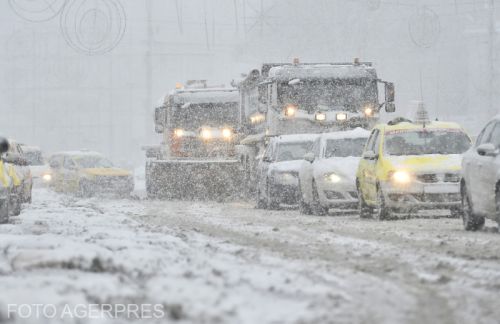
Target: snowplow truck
<point x="281" y="99"/>
<point x="197" y="158"/>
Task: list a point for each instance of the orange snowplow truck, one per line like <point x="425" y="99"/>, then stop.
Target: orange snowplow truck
<point x="196" y="159"/>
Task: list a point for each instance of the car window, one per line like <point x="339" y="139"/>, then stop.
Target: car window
<point x="344" y="147"/>
<point x="495" y="135"/>
<point x="316" y="147"/>
<point x="290" y="151"/>
<point x="374" y="141"/>
<point x="485" y="134"/>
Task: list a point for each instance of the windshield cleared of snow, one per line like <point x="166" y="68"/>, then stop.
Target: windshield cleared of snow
<point x="344" y="147"/>
<point x="293" y="151"/>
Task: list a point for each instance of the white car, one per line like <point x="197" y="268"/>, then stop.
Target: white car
<point x="480" y="186"/>
<point x="278" y="169"/>
<point x="328" y="173"/>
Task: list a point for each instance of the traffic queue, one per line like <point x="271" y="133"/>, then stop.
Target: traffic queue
<point x="399" y="167"/>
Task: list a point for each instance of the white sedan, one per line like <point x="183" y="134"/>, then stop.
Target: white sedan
<point x="327" y="175"/>
<point x="480" y="186"/>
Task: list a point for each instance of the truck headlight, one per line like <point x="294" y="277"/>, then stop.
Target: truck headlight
<point x="341" y="116"/>
<point x="332" y="177"/>
<point x="227" y="133"/>
<point x="368" y="111"/>
<point x="320" y="116"/>
<point x="291" y="110"/>
<point x="206" y="134"/>
<point x="400" y="177"/>
<point x="286" y="178"/>
<point x="179" y="132"/>
<point x="47" y="177"/>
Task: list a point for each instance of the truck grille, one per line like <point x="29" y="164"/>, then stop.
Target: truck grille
<point x="428" y="178"/>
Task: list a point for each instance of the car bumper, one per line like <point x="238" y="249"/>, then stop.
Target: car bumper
<point x="338" y="196"/>
<point x="113" y="185"/>
<point x="422" y="196"/>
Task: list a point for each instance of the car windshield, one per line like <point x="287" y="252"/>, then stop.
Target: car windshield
<point x="194" y="116"/>
<point x="93" y="161"/>
<point x="293" y="150"/>
<point x="34" y="157"/>
<point x="344" y="147"/>
<point x="426" y="141"/>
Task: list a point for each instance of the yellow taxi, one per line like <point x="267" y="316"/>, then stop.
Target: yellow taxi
<point x="87" y="173"/>
<point x="408" y="166"/>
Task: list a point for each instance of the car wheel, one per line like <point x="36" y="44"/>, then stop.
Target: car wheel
<point x="472" y="222"/>
<point x="317" y="209"/>
<point x="261" y="201"/>
<point x="304" y="207"/>
<point x="272" y="203"/>
<point x="382" y="212"/>
<point x="4" y="212"/>
<point x="15" y="206"/>
<point x="365" y="211"/>
<point x="85" y="190"/>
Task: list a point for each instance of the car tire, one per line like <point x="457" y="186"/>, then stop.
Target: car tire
<point x="4" y="212"/>
<point x="304" y="208"/>
<point x="382" y="212"/>
<point x="316" y="207"/>
<point x="85" y="190"/>
<point x="365" y="211"/>
<point x="472" y="222"/>
<point x="15" y="206"/>
<point x="261" y="201"/>
<point x="272" y="203"/>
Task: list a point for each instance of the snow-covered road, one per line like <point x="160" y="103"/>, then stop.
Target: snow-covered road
<point x="205" y="262"/>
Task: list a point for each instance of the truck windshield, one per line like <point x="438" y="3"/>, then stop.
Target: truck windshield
<point x="346" y="95"/>
<point x="93" y="161"/>
<point x="290" y="151"/>
<point x="426" y="141"/>
<point x="192" y="116"/>
<point x="344" y="147"/>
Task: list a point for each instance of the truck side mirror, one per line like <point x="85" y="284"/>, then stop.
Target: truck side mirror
<point x="389" y="92"/>
<point x="4" y="145"/>
<point x="160" y="119"/>
<point x="390" y="107"/>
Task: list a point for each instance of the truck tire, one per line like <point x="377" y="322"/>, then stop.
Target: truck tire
<point x="272" y="203"/>
<point x="4" y="212"/>
<point x="472" y="222"/>
<point x="261" y="201"/>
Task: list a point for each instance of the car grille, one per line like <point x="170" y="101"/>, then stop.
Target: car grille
<point x="433" y="177"/>
<point x="451" y="177"/>
<point x="107" y="182"/>
<point x="428" y="178"/>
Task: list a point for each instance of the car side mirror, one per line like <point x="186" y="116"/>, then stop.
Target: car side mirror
<point x="309" y="157"/>
<point x="54" y="164"/>
<point x="266" y="159"/>
<point x="15" y="159"/>
<point x="487" y="149"/>
<point x="370" y="155"/>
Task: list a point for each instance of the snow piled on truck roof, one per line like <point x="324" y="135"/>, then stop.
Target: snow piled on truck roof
<point x="321" y="71"/>
<point x="200" y="96"/>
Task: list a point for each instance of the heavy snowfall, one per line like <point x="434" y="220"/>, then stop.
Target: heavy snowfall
<point x="249" y="161"/>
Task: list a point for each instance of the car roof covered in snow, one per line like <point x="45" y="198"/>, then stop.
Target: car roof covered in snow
<point x="78" y="153"/>
<point x="207" y="95"/>
<point x="430" y="125"/>
<point x="358" y="132"/>
<point x="296" y="138"/>
<point x="322" y="71"/>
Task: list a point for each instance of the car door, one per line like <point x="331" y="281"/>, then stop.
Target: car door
<point x="476" y="181"/>
<point x="263" y="167"/>
<point x="369" y="168"/>
<point x="70" y="175"/>
<point x="487" y="173"/>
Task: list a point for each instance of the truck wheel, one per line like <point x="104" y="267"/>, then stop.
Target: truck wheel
<point x="382" y="212"/>
<point x="365" y="211"/>
<point x="472" y="222"/>
<point x="261" y="201"/>
<point x="317" y="209"/>
<point x="4" y="212"/>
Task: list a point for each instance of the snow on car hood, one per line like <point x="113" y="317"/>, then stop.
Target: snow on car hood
<point x="286" y="166"/>
<point x="434" y="163"/>
<point x="107" y="172"/>
<point x="345" y="167"/>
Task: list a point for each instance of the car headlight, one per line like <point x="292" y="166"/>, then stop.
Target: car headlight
<point x="368" y="111"/>
<point x="291" y="110"/>
<point x="47" y="177"/>
<point x="287" y="178"/>
<point x="227" y="133"/>
<point x="400" y="177"/>
<point x="179" y="132"/>
<point x="332" y="177"/>
<point x="341" y="116"/>
<point x="206" y="134"/>
<point x="320" y="116"/>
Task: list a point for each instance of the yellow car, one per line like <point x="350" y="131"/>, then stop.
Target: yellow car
<point x="88" y="173"/>
<point x="410" y="166"/>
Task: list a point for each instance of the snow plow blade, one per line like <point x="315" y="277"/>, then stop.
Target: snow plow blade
<point x="192" y="179"/>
